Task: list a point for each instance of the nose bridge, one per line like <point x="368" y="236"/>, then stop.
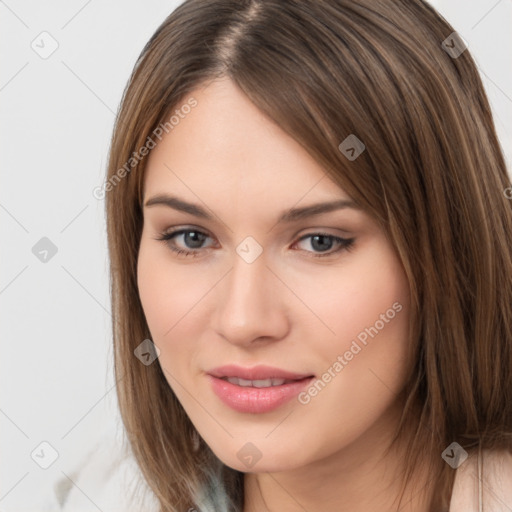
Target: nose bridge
<point x="249" y="306"/>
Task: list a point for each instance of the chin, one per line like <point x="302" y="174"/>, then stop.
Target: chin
<point x="261" y="457"/>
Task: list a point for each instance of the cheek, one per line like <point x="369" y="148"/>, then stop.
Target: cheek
<point x="172" y="297"/>
<point x="152" y="283"/>
<point x="166" y="292"/>
<point x="368" y="293"/>
<point x="366" y="362"/>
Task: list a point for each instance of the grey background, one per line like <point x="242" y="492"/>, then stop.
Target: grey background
<point x="57" y="113"/>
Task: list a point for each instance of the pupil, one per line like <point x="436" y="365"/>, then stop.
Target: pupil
<point x="321" y="247"/>
<point x="197" y="239"/>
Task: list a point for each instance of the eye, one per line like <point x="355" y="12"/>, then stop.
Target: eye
<point x="192" y="238"/>
<point x="323" y="242"/>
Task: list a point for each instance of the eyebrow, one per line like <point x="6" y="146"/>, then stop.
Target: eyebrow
<point x="291" y="215"/>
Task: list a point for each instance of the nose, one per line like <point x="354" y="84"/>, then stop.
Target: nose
<point x="251" y="304"/>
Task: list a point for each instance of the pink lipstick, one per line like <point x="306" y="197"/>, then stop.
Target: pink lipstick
<point x="258" y="389"/>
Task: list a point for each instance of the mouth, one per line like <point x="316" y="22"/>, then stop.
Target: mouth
<point x="259" y="389"/>
<point x="262" y="383"/>
<point x="256" y="374"/>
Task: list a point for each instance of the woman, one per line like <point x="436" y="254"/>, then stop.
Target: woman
<point x="261" y="369"/>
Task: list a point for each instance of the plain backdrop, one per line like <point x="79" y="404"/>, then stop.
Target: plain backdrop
<point x="57" y="384"/>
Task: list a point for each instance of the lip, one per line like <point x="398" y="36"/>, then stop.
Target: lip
<point x="248" y="399"/>
<point x="260" y="372"/>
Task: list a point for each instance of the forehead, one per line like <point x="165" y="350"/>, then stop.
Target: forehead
<point x="226" y="152"/>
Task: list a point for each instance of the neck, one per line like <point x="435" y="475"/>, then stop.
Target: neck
<point x="358" y="478"/>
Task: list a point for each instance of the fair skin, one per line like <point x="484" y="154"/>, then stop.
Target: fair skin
<point x="287" y="309"/>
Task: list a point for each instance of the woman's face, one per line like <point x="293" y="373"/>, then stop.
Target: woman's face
<point x="322" y="296"/>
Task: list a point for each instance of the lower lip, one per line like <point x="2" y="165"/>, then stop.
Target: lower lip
<point x="256" y="400"/>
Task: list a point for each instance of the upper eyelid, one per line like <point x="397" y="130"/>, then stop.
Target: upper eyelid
<point x="181" y="230"/>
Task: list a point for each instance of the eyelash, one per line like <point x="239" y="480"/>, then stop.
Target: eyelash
<point x="166" y="237"/>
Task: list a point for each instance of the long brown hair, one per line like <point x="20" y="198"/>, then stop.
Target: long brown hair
<point x="432" y="175"/>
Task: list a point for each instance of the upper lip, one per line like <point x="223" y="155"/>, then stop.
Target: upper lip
<point x="260" y="372"/>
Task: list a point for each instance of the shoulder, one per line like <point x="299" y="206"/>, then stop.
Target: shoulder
<point x="496" y="487"/>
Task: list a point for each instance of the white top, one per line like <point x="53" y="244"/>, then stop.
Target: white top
<point x="471" y="491"/>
